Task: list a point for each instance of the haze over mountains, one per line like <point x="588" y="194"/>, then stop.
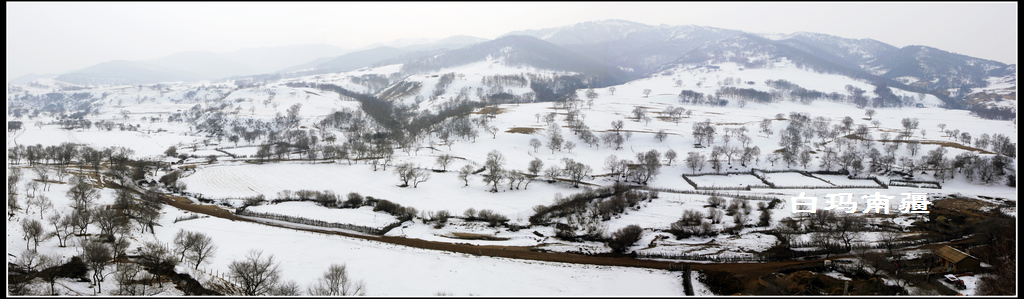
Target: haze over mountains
<point x="609" y="51"/>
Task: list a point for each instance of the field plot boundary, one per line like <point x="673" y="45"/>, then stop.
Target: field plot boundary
<point x="769" y="184"/>
<point x="319" y="223"/>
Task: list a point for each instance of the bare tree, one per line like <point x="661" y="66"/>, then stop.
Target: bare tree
<point x="536" y="165"/>
<point x="148" y="210"/>
<point x="255" y="274"/>
<point x="406" y="172"/>
<point x="48" y="270"/>
<point x="125" y="275"/>
<point x="715" y="215"/>
<point x="555" y="141"/>
<point x="491" y="130"/>
<point x="576" y="171"/>
<point x="156" y="257"/>
<point x="890" y="239"/>
<point x="41" y="202"/>
<point x="913" y="147"/>
<point x="694" y="161"/>
<point x="495" y="163"/>
<point x="613" y="139"/>
<point x="639" y="113"/>
<point x="611" y="90"/>
<point x="552" y="172"/>
<point x="740" y="219"/>
<point x="63" y="227"/>
<point x="716" y="201"/>
<point x="535" y="143"/>
<point x="82" y="193"/>
<point x="183" y="241"/>
<point x="591" y="95"/>
<point x="81" y="219"/>
<point x="660" y="136"/>
<point x="617" y="125"/>
<point x="43" y="174"/>
<point x="625" y="237"/>
<point x="420" y="176"/>
<point x="61" y="171"/>
<point x="336" y="282"/>
<point x="909" y="124"/>
<point x="847" y="228"/>
<point x="647" y="92"/>
<point x="670" y="155"/>
<point x="32" y="232"/>
<point x="444" y="160"/>
<point x="202" y="249"/>
<point x="97" y="257"/>
<point x="464" y="173"/>
<point x="109" y="221"/>
<point x="286" y="288"/>
<point x="14" y="176"/>
<point x="766" y="215"/>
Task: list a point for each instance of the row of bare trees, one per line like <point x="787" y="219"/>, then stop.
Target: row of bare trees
<point x="260" y="275"/>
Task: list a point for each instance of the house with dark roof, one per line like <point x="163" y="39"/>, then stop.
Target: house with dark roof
<point x="953" y="260"/>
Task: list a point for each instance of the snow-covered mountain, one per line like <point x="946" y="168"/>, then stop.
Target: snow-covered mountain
<point x="857" y="51"/>
<point x="346" y="62"/>
<point x="420" y="44"/>
<point x="518" y="51"/>
<point x="379" y="54"/>
<point x="634" y="47"/>
<point x="937" y="69"/>
<point x="642" y="48"/>
<point x="123" y="72"/>
<point x="606" y="52"/>
<point x="200" y="65"/>
<point x="207" y="65"/>
<point x="592" y="32"/>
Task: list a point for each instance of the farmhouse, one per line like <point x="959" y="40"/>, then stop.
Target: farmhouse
<point x="953" y="260"/>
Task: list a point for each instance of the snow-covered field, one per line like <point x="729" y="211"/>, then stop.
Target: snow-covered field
<point x="391" y="270"/>
<point x="238" y="181"/>
<point x="842" y="180"/>
<point x="794" y="179"/>
<point x="309" y="210"/>
<point x="726" y="181"/>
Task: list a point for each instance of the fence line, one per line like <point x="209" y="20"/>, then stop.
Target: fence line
<point x="320" y="223"/>
<point x="220" y="277"/>
<point x="915" y="183"/>
<point x="759" y="174"/>
<point x="703" y="257"/>
<point x="711" y="193"/>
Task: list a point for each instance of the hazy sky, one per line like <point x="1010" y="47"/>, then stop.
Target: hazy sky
<point x="60" y="37"/>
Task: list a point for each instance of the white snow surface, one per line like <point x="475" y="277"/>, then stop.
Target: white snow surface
<point x="391" y="270"/>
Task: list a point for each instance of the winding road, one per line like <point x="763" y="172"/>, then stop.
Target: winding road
<point x="744" y="271"/>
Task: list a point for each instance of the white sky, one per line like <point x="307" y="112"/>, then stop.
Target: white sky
<point x="61" y="37"/>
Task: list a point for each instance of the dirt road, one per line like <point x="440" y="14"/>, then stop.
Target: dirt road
<point x="740" y="270"/>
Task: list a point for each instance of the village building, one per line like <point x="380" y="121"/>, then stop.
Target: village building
<point x="953" y="260"/>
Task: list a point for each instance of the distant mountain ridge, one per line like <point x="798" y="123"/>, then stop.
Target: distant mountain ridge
<point x="591" y="32"/>
<point x="121" y="72"/>
<point x="645" y="47"/>
<point x="348" y="61"/>
<point x="382" y="53"/>
<point x="199" y="65"/>
<point x="615" y="51"/>
<point x="422" y="44"/>
<point x="937" y="69"/>
<point x="521" y="50"/>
